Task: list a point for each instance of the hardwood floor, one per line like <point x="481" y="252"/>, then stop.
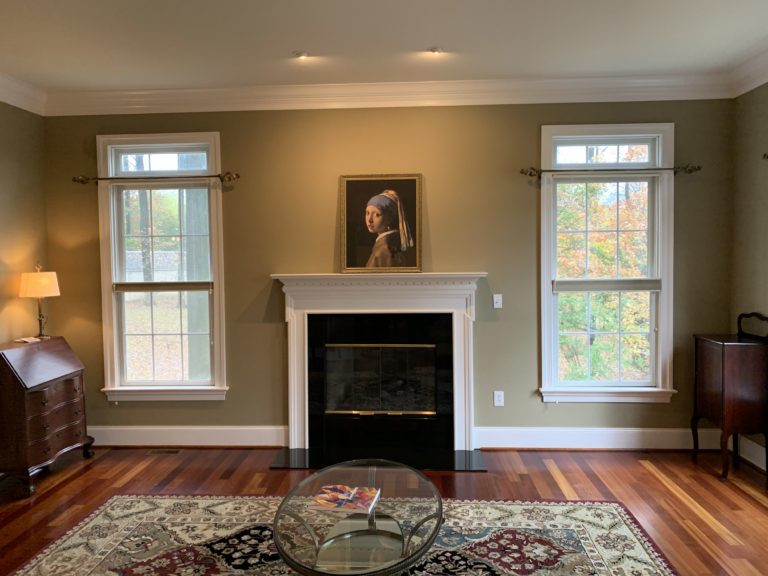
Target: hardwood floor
<point x="704" y="525"/>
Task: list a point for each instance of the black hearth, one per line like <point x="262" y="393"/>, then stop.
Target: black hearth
<point x="381" y="386"/>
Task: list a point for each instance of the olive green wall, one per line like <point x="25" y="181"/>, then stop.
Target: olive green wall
<point x="750" y="269"/>
<point x="22" y="216"/>
<point x="479" y="214"/>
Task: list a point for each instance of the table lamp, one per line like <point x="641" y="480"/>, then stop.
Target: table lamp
<point x="39" y="285"/>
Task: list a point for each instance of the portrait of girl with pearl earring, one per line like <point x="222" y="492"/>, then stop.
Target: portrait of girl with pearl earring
<point x="380" y="223"/>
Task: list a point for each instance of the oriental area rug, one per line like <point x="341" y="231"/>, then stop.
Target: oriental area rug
<point x="207" y="536"/>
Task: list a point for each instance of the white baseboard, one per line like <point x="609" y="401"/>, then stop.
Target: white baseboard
<point x="611" y="439"/>
<point x="484" y="437"/>
<point x="189" y="435"/>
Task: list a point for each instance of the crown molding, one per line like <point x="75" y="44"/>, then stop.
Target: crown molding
<point x="750" y="75"/>
<point x="389" y="94"/>
<point x="22" y="95"/>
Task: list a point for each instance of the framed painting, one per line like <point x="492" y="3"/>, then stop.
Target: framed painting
<point x="381" y="223"/>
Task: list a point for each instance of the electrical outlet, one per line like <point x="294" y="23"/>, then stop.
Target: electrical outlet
<point x="497" y="301"/>
<point x="498" y="397"/>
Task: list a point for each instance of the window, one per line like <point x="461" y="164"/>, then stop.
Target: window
<point x="161" y="254"/>
<point x="606" y="290"/>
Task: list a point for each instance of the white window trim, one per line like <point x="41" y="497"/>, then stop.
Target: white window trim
<point x="112" y="388"/>
<point x="663" y="391"/>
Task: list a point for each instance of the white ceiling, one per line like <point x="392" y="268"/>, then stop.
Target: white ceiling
<point x="56" y="52"/>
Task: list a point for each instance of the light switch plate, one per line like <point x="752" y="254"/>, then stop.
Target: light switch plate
<point x="498" y="397"/>
<point x="497" y="301"/>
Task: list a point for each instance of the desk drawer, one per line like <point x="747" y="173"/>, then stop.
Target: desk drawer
<point x="45" y="398"/>
<point x="42" y="425"/>
<point x="47" y="448"/>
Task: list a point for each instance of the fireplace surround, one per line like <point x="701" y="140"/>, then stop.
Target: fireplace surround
<point x="451" y="294"/>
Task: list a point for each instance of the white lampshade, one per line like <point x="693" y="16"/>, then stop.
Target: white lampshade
<point x="39" y="285"/>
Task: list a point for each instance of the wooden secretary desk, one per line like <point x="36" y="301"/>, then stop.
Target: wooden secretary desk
<point x="731" y="386"/>
<point x="42" y="411"/>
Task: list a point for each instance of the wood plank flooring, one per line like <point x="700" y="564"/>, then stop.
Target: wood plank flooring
<point x="704" y="525"/>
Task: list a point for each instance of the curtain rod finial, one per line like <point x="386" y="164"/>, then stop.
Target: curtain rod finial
<point x="531" y="172"/>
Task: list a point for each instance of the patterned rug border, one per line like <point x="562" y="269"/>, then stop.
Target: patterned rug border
<point x="637" y="528"/>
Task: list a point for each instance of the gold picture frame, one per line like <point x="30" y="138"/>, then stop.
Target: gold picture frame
<point x="381" y="223"/>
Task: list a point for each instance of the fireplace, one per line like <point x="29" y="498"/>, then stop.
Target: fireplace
<point x="381" y="386"/>
<point x="398" y="354"/>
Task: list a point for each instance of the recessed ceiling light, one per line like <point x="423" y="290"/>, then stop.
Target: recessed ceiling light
<point x="300" y="54"/>
<point x="435" y="50"/>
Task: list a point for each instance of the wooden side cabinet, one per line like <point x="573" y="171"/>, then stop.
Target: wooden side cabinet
<point x="42" y="411"/>
<point x="731" y="389"/>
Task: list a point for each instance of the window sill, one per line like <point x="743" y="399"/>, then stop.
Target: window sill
<point x="161" y="393"/>
<point x="615" y="394"/>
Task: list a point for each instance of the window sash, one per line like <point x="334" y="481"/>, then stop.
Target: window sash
<point x="189" y="354"/>
<point x="591" y="333"/>
<point x="576" y="177"/>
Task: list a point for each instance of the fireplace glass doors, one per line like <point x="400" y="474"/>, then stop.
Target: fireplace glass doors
<point x="381" y="386"/>
<point x="380" y="379"/>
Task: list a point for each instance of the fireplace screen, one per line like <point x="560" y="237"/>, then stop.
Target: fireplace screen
<point x="380" y="378"/>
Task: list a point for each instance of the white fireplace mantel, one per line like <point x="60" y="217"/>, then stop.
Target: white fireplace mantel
<point x="421" y="292"/>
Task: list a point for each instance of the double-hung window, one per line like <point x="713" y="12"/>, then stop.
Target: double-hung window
<point x="161" y="259"/>
<point x="606" y="249"/>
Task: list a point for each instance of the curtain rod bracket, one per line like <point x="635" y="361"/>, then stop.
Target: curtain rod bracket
<point x="226" y="178"/>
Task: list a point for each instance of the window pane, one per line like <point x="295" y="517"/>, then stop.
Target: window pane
<point x="572" y="311"/>
<point x="571" y="207"/>
<point x="604" y="311"/>
<point x="635" y="357"/>
<point x="137" y="312"/>
<point x="166" y="313"/>
<point x="571" y="255"/>
<point x="636" y="311"/>
<point x="633" y="254"/>
<point x="602" y="154"/>
<point x="601" y="201"/>
<point x="168" y="359"/>
<point x="194" y="211"/>
<point x="633" y="205"/>
<point x="634" y="153"/>
<point x="604" y="357"/>
<point x="165" y="213"/>
<point x="139" y="365"/>
<point x="571" y="154"/>
<point x="195" y="318"/>
<point x="573" y="357"/>
<point x="166" y="254"/>
<point x="197" y="357"/>
<point x="602" y="255"/>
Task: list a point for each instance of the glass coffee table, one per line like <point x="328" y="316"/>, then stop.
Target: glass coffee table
<point x="401" y="526"/>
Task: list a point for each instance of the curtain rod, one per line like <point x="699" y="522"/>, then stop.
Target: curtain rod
<point x="226" y="178"/>
<point x="537" y="172"/>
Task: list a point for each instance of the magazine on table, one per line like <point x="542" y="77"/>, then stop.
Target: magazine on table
<point x="342" y="498"/>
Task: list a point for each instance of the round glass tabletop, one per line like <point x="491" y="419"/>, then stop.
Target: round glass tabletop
<point x="373" y="517"/>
